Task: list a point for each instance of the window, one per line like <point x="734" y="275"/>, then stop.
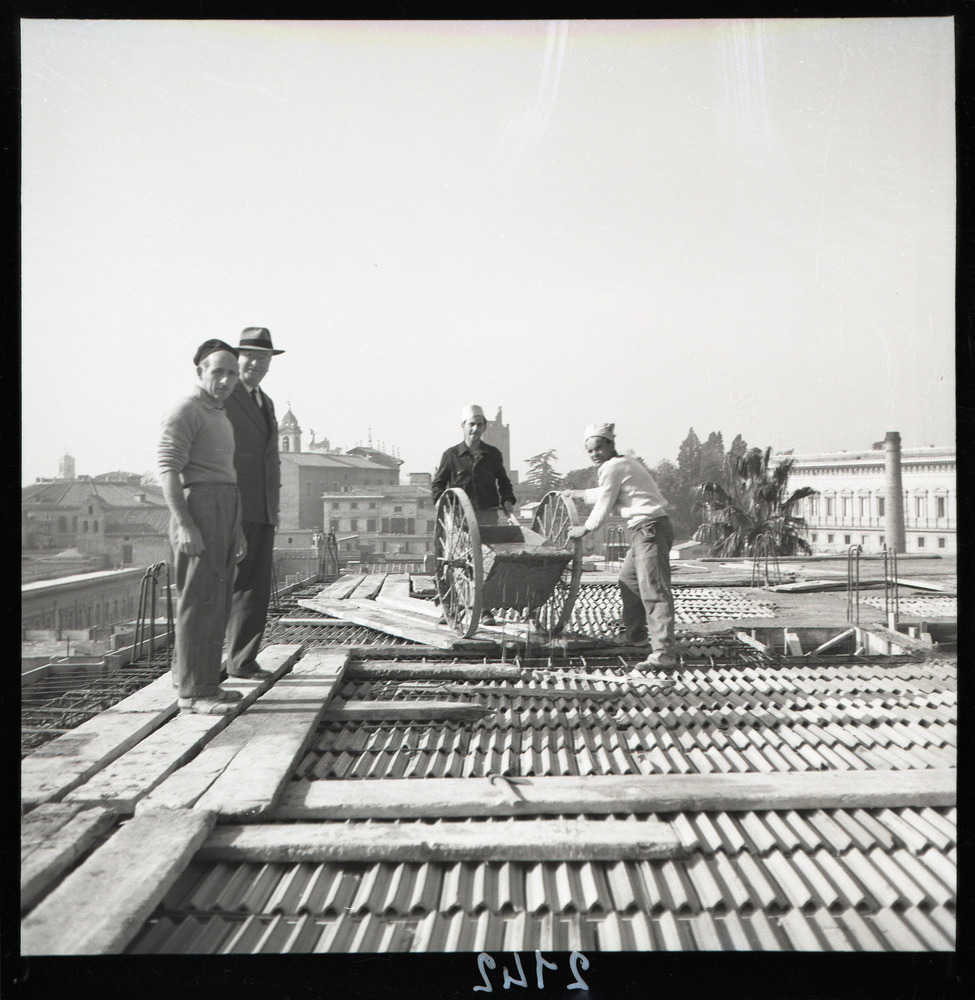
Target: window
<point x="335" y="505"/>
<point x="84" y="528"/>
<point x="814" y="536"/>
<point x="941" y="506"/>
<point x="290" y="539"/>
<point x="863" y="539"/>
<point x="372" y="506"/>
<point x="864" y="506"/>
<point x="431" y="527"/>
<point x="353" y="523"/>
<point x="397" y="510"/>
<point x="920" y="541"/>
<point x="813" y="506"/>
<point x="829" y="506"/>
<point x="91" y="510"/>
<point x="880" y="506"/>
<point x="353" y="505"/>
<point x="847" y="539"/>
<point x="371" y="523"/>
<point x="881" y="539"/>
<point x="920" y="505"/>
<point x="847" y="506"/>
<point x="941" y="543"/>
<point x="829" y="539"/>
<point x="94" y="527"/>
<point x="333" y="524"/>
<point x="62" y="523"/>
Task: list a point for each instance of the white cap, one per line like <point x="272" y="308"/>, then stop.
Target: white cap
<point x="470" y="412"/>
<point x="599" y="430"/>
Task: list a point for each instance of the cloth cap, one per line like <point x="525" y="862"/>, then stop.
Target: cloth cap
<point x="257" y="338"/>
<point x="470" y="412"/>
<point x="601" y="431"/>
<point x="209" y="347"/>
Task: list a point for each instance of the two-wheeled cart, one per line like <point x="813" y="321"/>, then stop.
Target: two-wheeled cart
<point x="483" y="566"/>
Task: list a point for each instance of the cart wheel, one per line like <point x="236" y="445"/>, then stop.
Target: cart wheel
<point x="457" y="544"/>
<point x="329" y="565"/>
<point x="553" y="518"/>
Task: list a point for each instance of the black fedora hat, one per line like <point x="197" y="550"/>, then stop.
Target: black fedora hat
<point x="257" y="338"/>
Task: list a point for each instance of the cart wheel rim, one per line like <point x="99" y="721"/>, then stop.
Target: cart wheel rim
<point x="458" y="567"/>
<point x="554" y="516"/>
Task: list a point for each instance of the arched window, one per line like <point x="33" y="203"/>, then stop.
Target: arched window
<point x="94" y="527"/>
<point x="62" y="524"/>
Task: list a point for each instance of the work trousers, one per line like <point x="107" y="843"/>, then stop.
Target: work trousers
<point x="648" y="604"/>
<point x="204" y="584"/>
<point x="251" y="596"/>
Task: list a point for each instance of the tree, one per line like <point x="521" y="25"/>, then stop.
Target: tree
<point x="542" y="477"/>
<point x="580" y="479"/>
<point x="738" y="446"/>
<point x="752" y="508"/>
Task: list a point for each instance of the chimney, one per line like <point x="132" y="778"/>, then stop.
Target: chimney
<point x="894" y="515"/>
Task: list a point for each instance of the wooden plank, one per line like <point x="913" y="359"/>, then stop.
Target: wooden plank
<point x="259" y="749"/>
<point x="365" y="670"/>
<point x="829" y="643"/>
<point x="385" y="620"/>
<point x="62" y="764"/>
<point x="409" y="711"/>
<point x="396" y="585"/>
<point x="52" y="838"/>
<point x="535" y="840"/>
<point x="659" y="793"/>
<point x="341" y="588"/>
<point x="370" y="585"/>
<point x="122" y="783"/>
<point x="104" y="902"/>
<point x="411" y="605"/>
<point x="925" y="585"/>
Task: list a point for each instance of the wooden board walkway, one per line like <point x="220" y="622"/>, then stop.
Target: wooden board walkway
<point x="658" y="793"/>
<point x="128" y="779"/>
<point x="533" y="840"/>
<point x="386" y="605"/>
<point x="105" y="901"/>
<point x="52" y="838"/>
<point x="243" y="770"/>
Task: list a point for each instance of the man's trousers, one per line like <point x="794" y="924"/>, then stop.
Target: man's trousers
<point x="251" y="596"/>
<point x="204" y="584"/>
<point x="648" y="604"/>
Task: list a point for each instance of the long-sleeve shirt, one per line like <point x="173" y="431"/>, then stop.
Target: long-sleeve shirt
<point x="483" y="480"/>
<point x="197" y="441"/>
<point x="626" y="488"/>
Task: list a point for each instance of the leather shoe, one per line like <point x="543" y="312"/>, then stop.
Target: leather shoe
<point x="257" y="674"/>
<point x="622" y="640"/>
<point x="224" y="694"/>
<point x="203" y="706"/>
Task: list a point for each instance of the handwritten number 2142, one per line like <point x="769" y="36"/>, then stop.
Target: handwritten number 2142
<point x="485" y="962"/>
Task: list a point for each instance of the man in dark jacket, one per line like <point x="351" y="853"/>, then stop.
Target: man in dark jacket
<point x="258" y="466"/>
<point x="477" y="468"/>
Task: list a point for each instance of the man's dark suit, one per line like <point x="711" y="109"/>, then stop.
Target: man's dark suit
<point x="259" y="482"/>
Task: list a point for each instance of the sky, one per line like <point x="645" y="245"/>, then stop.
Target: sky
<point x="735" y="226"/>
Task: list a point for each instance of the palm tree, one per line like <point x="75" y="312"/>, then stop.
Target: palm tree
<point x="752" y="513"/>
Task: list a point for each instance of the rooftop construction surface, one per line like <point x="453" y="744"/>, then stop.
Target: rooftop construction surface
<point x="788" y="792"/>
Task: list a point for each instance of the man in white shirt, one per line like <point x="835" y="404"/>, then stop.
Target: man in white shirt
<point x="625" y="487"/>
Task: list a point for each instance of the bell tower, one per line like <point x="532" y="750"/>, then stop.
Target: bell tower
<point x="289" y="433"/>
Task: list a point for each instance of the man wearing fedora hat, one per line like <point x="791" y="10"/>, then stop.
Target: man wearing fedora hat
<point x="258" y="466"/>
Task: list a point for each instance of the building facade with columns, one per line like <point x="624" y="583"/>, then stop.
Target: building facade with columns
<point x="903" y="498"/>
